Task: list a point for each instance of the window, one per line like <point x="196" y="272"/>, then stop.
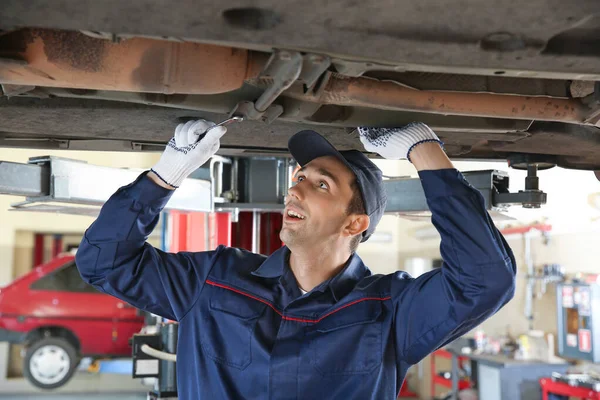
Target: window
<point x="65" y="279"/>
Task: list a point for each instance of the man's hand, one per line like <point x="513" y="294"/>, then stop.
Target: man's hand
<point x="415" y="142"/>
<point x="185" y="153"/>
<point x="396" y="143"/>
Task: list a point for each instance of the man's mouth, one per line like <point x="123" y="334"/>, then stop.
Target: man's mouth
<point x="294" y="215"/>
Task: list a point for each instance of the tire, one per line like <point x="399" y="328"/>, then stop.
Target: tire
<point x="50" y="362"/>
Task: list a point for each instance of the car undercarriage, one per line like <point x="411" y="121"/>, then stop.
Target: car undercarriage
<point x="502" y="80"/>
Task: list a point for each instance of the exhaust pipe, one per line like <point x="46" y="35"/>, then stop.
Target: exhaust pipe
<point x="51" y="58"/>
<point x="390" y="95"/>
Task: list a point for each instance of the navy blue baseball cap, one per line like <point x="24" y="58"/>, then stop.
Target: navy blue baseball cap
<point x="307" y="145"/>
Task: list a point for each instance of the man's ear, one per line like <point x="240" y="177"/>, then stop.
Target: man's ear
<point x="357" y="224"/>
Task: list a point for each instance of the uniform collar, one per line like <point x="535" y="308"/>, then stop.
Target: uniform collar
<point x="347" y="278"/>
<point x="340" y="285"/>
<point x="273" y="266"/>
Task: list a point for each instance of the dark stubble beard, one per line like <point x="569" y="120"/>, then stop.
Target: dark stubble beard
<point x="291" y="237"/>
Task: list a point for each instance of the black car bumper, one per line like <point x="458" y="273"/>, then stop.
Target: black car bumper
<point x="12" y="336"/>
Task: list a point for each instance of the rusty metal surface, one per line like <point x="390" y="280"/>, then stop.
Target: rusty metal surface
<point x="573" y="145"/>
<point x="74" y="60"/>
<point x="543" y="38"/>
<point x="481" y="83"/>
<point x="39" y="120"/>
<point x="388" y="95"/>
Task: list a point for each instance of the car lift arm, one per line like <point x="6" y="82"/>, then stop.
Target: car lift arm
<point x="238" y="184"/>
<point x="49" y="180"/>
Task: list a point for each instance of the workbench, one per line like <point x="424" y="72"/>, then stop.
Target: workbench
<point x="498" y="377"/>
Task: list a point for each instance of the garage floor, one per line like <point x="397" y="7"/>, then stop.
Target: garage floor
<point x="107" y="396"/>
<point x="93" y="386"/>
<point x="88" y="397"/>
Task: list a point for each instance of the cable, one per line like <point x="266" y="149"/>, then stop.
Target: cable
<point x="161" y="355"/>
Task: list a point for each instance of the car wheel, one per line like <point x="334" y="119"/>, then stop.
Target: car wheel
<point x="50" y="362"/>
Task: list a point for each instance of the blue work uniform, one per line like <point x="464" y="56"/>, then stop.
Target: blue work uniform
<point x="247" y="332"/>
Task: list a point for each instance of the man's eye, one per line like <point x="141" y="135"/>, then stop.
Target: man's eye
<point x="323" y="185"/>
<point x="300" y="179"/>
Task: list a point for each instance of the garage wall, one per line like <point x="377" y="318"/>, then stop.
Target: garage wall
<point x="17" y="228"/>
<point x="575" y="252"/>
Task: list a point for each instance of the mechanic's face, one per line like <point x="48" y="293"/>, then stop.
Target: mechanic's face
<point x="316" y="207"/>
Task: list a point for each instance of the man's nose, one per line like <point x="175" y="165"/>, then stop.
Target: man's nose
<point x="296" y="191"/>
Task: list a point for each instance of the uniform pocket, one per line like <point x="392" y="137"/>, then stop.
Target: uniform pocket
<point x="348" y="341"/>
<point x="227" y="329"/>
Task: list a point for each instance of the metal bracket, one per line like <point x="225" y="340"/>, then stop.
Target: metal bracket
<point x="531" y="197"/>
<point x="528" y="199"/>
<point x="281" y="71"/>
<point x="313" y="66"/>
<point x="248" y="110"/>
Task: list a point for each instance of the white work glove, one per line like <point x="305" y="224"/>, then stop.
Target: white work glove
<point x="185" y="153"/>
<point x="396" y="143"/>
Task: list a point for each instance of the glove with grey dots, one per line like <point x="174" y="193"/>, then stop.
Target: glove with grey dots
<point x="396" y="143"/>
<point x="193" y="144"/>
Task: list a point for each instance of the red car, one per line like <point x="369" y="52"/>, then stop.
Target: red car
<point x="60" y="319"/>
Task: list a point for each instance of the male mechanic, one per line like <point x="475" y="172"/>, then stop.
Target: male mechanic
<point x="310" y="321"/>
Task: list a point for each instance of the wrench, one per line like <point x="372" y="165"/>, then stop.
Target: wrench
<point x="226" y="122"/>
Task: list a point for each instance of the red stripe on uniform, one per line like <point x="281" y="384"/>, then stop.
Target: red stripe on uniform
<point x="314" y="321"/>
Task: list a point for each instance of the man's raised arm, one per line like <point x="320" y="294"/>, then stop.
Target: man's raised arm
<point x="113" y="255"/>
<point x="478" y="273"/>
